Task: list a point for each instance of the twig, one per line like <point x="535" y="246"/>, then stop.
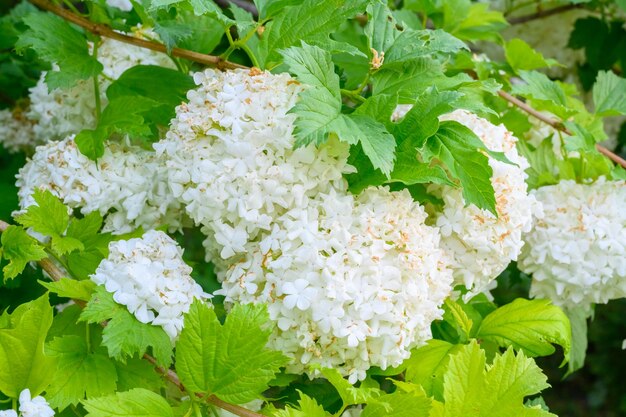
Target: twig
<point x="56" y="274"/>
<point x="556" y="125"/>
<point x="542" y="13"/>
<point x="104" y="30"/>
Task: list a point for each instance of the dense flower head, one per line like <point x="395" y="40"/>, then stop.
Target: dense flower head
<point x="126" y="181"/>
<point x="59" y="112"/>
<point x="575" y="252"/>
<point x="482" y="245"/>
<point x="148" y="276"/>
<point x="231" y="158"/>
<point x="352" y="282"/>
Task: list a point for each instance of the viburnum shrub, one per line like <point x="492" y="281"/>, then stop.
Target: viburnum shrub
<point x="301" y="208"/>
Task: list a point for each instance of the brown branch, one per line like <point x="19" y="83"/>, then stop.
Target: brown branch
<point x="104" y="30"/>
<point x="56" y="274"/>
<point x="542" y="13"/>
<point x="558" y="126"/>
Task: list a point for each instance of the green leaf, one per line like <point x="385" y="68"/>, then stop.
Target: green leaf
<point x="427" y="365"/>
<point x="70" y="288"/>
<point x="86" y="228"/>
<point x="19" y="249"/>
<point x="411" y="132"/>
<point x="399" y="404"/>
<point x="453" y="312"/>
<point x="411" y="45"/>
<point x="229" y="360"/>
<point x="137" y="402"/>
<point x="609" y="94"/>
<point x="422" y="120"/>
<point x="408" y="78"/>
<point x="381" y="28"/>
<point x="55" y="41"/>
<point x="124" y="335"/>
<point x="349" y="394"/>
<point x="479" y="22"/>
<point x="530" y="325"/>
<point x="80" y="373"/>
<point x="521" y="56"/>
<point x="540" y="87"/>
<point x="50" y="217"/>
<point x="96" y="245"/>
<point x="473" y="390"/>
<point x="125" y="114"/>
<point x="269" y="8"/>
<point x="377" y="143"/>
<point x="137" y="373"/>
<point x="456" y="147"/>
<point x="22" y="359"/>
<point x="542" y="163"/>
<point x="308" y="22"/>
<point x="319" y="109"/>
<point x="166" y="87"/>
<point x="91" y="143"/>
<point x="307" y="407"/>
<point x="320" y="103"/>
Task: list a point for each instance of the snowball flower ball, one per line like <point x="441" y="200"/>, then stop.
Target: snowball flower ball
<point x="482" y="245"/>
<point x="352" y="282"/>
<point x="576" y="251"/>
<point x="126" y="180"/>
<point x="231" y="159"/>
<point x="148" y="276"/>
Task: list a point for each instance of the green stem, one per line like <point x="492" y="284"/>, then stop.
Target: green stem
<point x="51" y="254"/>
<point x="352" y="95"/>
<point x="96" y="86"/>
<point x="196" y="409"/>
<point x="14" y="404"/>
<point x="364" y="84"/>
<point x="88" y="337"/>
<point x="232" y="45"/>
<point x="248" y="51"/>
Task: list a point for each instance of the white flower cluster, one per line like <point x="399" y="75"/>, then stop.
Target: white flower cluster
<point x="352" y="282"/>
<point x="30" y="407"/>
<point x="148" y="276"/>
<point x="128" y="181"/>
<point x="16" y="131"/>
<point x="575" y="252"/>
<point x="58" y="113"/>
<point x="481" y="244"/>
